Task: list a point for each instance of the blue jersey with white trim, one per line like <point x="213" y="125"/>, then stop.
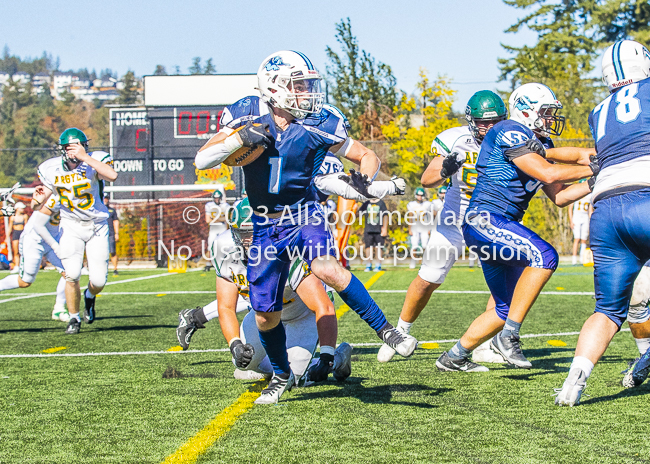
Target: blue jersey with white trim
<point x="501" y="187"/>
<point x="283" y="175"/>
<point x="620" y="124"/>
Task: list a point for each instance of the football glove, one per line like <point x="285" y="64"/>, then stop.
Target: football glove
<point x="242" y="354"/>
<point x="591" y="182"/>
<point x="593" y="165"/>
<point x="535" y="146"/>
<point x="451" y="164"/>
<point x="358" y="182"/>
<point x="400" y="185"/>
<point x="8" y="209"/>
<point x="253" y="135"/>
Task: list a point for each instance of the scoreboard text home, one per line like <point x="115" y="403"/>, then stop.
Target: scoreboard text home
<point x="156" y="144"/>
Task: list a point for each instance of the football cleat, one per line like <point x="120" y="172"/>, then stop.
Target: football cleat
<point x="241" y="374"/>
<point x="74" y="326"/>
<point x="342" y="362"/>
<point x="571" y="391"/>
<point x="445" y="364"/>
<point x="321" y="370"/>
<point x="187" y="325"/>
<point x="510" y="349"/>
<point x="403" y="343"/>
<point x="277" y="386"/>
<point x="385" y="353"/>
<point x="59" y="313"/>
<point x="89" y="310"/>
<point x="637" y="371"/>
<point x="484" y="354"/>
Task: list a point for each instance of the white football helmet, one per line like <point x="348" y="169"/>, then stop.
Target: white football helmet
<point x="536" y="107"/>
<point x="288" y="80"/>
<point x="625" y="62"/>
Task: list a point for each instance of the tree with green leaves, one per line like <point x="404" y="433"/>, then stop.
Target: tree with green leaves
<point x="160" y="70"/>
<point x="361" y="87"/>
<point x="570" y="36"/>
<point x="129" y="93"/>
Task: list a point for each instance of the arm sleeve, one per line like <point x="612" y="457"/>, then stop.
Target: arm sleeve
<point x="330" y="184"/>
<point x="40" y="221"/>
<point x="531" y="145"/>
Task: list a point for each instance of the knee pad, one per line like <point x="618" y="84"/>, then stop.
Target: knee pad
<point x="638" y="314"/>
<point x="70" y="278"/>
<point x="432" y="275"/>
<point x="28" y="278"/>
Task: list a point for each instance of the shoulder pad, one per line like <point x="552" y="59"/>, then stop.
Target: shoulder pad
<point x="510" y="133"/>
<point x="102" y="156"/>
<point x="243" y="110"/>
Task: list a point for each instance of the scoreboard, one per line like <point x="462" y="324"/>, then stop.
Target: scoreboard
<point x="157" y="146"/>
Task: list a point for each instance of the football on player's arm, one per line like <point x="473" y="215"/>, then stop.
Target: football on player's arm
<point x="254" y="139"/>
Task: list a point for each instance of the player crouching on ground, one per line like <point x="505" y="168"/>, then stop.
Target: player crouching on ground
<point x="620" y="225"/>
<point x="78" y="178"/>
<point x="230" y="258"/>
<point x="40" y="238"/>
<point x="512" y="165"/>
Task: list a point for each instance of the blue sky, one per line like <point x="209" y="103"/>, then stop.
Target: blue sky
<point x="459" y="38"/>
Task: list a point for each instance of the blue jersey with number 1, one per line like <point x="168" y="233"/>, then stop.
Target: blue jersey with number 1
<point x="283" y="175"/>
<point x="501" y="187"/>
<point x="619" y="126"/>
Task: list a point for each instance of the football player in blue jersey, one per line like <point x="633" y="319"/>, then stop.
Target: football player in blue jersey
<point x="297" y="132"/>
<point x="512" y="165"/>
<point x="620" y="224"/>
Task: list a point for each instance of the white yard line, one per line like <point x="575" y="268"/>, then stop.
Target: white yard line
<point x="201" y="292"/>
<point x="224" y="350"/>
<point x="36" y="295"/>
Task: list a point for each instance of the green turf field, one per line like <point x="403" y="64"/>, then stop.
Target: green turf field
<point x="122" y="409"/>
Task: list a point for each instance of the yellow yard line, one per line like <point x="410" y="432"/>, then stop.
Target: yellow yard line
<point x="192" y="449"/>
<point x="345" y="308"/>
<point x="55" y="349"/>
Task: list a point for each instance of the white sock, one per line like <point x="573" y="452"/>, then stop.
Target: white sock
<point x="211" y="310"/>
<point x="582" y="363"/>
<point x="327" y="350"/>
<point x="9" y="283"/>
<point x="75" y="316"/>
<point x="60" y="291"/>
<point x="583" y="247"/>
<point x="404" y="326"/>
<point x="642" y="344"/>
<point x="574" y="260"/>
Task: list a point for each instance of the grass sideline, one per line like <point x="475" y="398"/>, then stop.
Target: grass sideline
<point x="123" y="409"/>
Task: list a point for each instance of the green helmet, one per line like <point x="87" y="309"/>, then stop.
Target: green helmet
<point x="419" y="191"/>
<point x="484" y="107"/>
<point x="241" y="224"/>
<point x="68" y="136"/>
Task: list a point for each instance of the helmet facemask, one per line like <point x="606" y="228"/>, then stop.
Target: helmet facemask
<point x="300" y="97"/>
<point x="548" y="121"/>
<point x="70" y="163"/>
<point x="480" y="127"/>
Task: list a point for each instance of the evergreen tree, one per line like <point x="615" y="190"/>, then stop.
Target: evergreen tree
<point x="196" y="66"/>
<point x="209" y="67"/>
<point x="362" y="88"/>
<point x="129" y="94"/>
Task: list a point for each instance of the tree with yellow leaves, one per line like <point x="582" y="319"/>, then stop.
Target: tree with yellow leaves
<point x="410" y="145"/>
